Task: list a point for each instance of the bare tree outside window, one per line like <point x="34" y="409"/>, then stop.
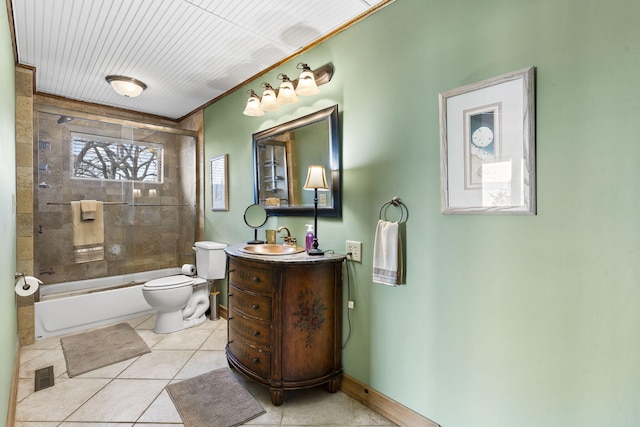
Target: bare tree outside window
<point x="97" y="157"/>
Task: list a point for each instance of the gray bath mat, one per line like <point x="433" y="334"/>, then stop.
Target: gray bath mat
<point x="95" y="349"/>
<point x="214" y="399"/>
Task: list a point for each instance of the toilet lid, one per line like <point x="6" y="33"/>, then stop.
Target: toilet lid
<point x="169" y="282"/>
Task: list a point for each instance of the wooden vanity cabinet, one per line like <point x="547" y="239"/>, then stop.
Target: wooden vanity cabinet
<point x="285" y="322"/>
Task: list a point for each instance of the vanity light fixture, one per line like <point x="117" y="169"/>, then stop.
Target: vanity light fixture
<point x="316" y="180"/>
<point x="126" y="86"/>
<point x="288" y="91"/>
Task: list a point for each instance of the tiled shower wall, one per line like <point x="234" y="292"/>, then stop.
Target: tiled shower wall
<point x="24" y="196"/>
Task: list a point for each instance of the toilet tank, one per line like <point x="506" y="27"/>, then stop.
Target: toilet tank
<point x="211" y="260"/>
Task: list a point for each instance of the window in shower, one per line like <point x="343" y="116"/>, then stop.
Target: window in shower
<point x="104" y="158"/>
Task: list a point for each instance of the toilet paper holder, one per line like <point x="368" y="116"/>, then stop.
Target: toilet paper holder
<point x="26" y="285"/>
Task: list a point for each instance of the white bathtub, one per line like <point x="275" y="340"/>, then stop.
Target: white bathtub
<point x="76" y="306"/>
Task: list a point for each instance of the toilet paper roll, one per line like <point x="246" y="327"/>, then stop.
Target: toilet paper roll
<point x="27" y="285"/>
<point x="188" y="269"/>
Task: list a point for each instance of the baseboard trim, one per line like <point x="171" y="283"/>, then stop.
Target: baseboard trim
<point x="13" y="394"/>
<point x="382" y="404"/>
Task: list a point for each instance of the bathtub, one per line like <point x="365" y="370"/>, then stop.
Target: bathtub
<point x="70" y="307"/>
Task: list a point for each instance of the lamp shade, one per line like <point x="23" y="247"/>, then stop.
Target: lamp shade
<point x="287" y="94"/>
<point x="269" y="102"/>
<point x="126" y="86"/>
<point x="316" y="179"/>
<point x="307" y="84"/>
<point x="253" y="106"/>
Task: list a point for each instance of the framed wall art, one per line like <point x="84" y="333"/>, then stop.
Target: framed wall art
<point x="219" y="186"/>
<point x="487" y="146"/>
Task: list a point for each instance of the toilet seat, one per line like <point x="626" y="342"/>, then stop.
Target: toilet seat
<point x="170" y="282"/>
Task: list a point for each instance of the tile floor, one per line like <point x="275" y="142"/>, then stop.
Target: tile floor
<point x="131" y="393"/>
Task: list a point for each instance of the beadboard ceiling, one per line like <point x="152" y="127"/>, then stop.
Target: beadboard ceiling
<point x="187" y="52"/>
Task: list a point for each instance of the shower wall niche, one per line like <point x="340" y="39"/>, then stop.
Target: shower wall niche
<point x="144" y="175"/>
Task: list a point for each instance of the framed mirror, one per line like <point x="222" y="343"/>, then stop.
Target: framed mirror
<point x="282" y="155"/>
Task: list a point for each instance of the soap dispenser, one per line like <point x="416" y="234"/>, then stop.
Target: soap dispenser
<point x="309" y="238"/>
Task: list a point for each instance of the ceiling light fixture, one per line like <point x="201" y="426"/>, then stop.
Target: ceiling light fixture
<point x="288" y="91"/>
<point x="126" y="86"/>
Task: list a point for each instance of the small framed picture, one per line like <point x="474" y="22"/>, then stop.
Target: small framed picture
<point x="487" y="146"/>
<point x="219" y="186"/>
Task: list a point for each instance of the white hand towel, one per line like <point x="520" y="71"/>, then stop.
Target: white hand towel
<point x="387" y="254"/>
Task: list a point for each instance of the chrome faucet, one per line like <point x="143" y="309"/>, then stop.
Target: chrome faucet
<point x="288" y="240"/>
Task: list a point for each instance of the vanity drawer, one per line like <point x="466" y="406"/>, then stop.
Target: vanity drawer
<point x="250" y="330"/>
<point x="255" y="359"/>
<point x="248" y="276"/>
<point x="249" y="304"/>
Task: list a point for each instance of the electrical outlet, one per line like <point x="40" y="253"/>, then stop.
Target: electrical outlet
<point x="355" y="248"/>
<point x="351" y="304"/>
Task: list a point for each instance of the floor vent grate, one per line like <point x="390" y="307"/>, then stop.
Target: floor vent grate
<point x="44" y="378"/>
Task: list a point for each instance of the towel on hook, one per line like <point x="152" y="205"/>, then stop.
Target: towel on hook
<point x="387" y="254"/>
<point x="88" y="236"/>
<point x="88" y="209"/>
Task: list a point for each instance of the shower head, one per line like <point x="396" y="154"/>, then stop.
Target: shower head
<point x="64" y="119"/>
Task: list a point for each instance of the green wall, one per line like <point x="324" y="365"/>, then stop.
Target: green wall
<point x="8" y="320"/>
<point x="505" y="320"/>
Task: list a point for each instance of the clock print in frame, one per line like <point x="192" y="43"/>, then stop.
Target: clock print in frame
<point x="481" y="143"/>
<point x="487" y="146"/>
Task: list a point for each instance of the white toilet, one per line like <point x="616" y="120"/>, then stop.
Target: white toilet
<point x="181" y="301"/>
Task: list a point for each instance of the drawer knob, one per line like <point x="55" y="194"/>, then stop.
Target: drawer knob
<point x="256" y="333"/>
<point x="256" y="279"/>
<point x="255" y="360"/>
<point x="255" y="306"/>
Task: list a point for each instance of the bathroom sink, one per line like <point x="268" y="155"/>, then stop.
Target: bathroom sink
<point x="271" y="249"/>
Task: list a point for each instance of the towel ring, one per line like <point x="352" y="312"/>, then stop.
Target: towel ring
<point x="397" y="203"/>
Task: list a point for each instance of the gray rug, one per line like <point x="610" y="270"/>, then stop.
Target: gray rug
<point x="95" y="349"/>
<point x="214" y="399"/>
